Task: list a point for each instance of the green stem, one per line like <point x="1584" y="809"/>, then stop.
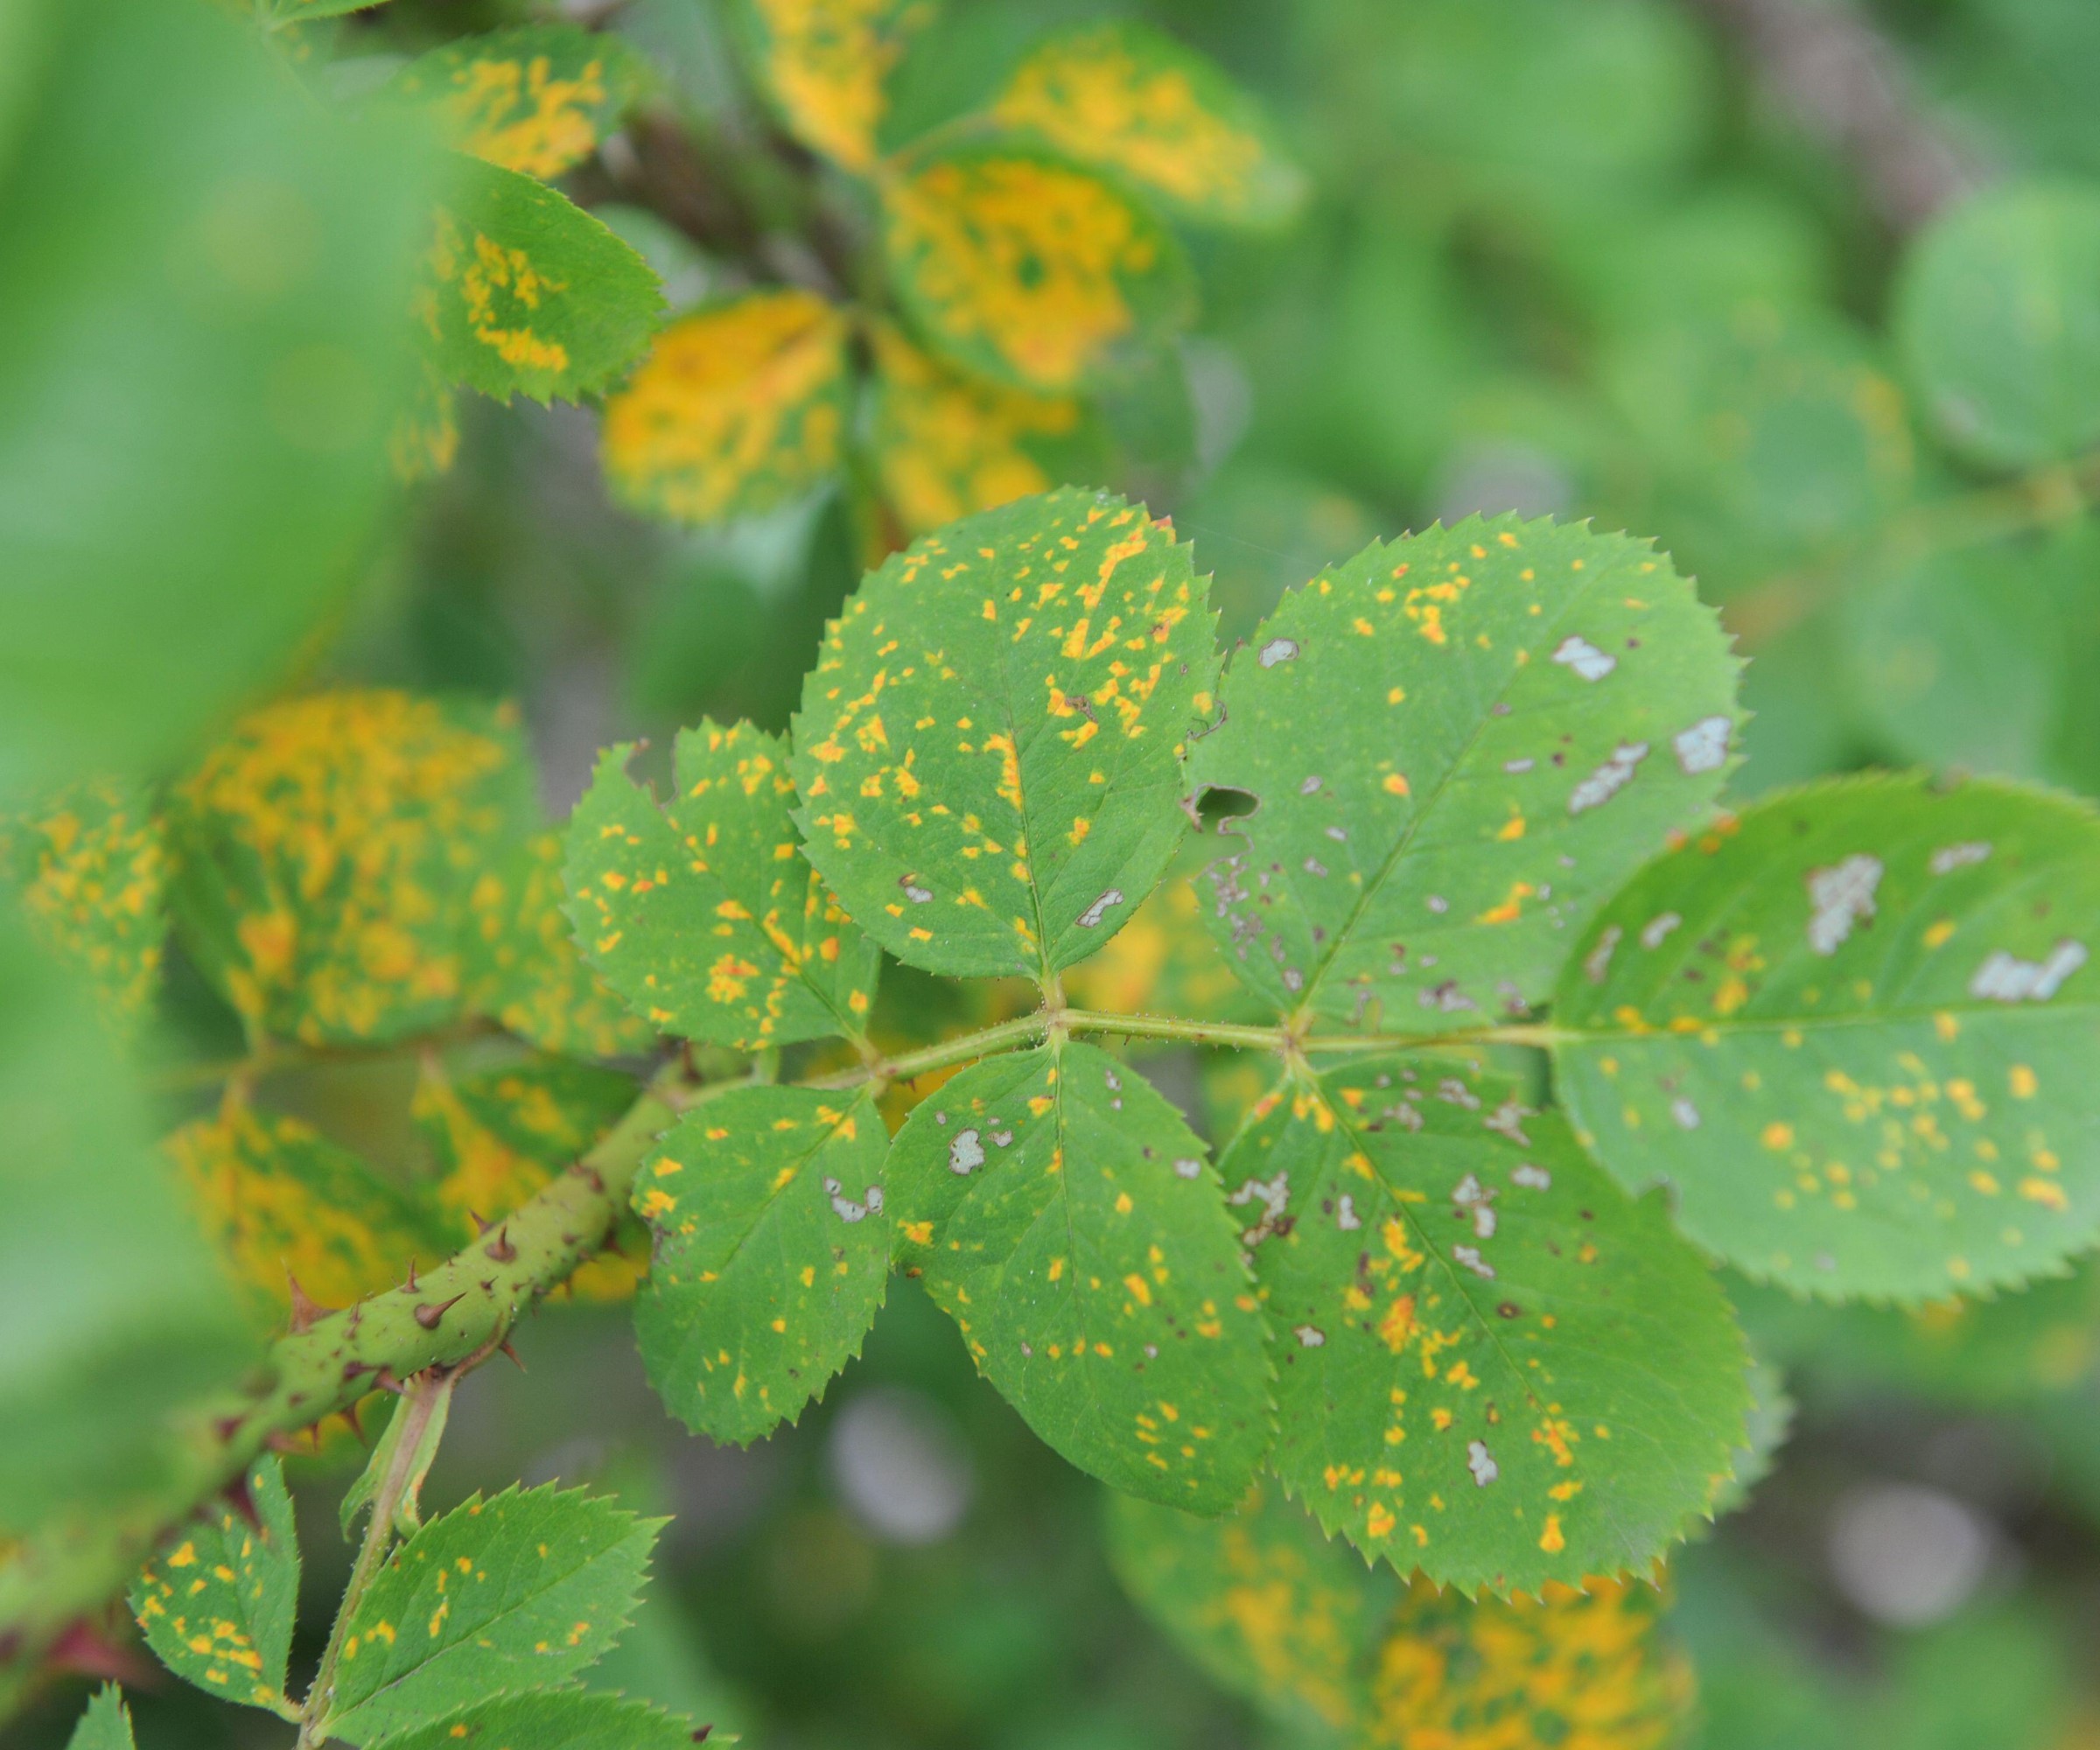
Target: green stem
<point x="419" y="1401"/>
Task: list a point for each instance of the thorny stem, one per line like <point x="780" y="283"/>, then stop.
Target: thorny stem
<point x="66" y="1571"/>
<point x="419" y="1399"/>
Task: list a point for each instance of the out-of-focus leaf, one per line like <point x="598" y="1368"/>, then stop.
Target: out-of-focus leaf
<point x="824" y="63"/>
<point x="1473" y="1331"/>
<point x="328" y="850"/>
<point x="1586" y="1666"/>
<point x="554" y="1720"/>
<point x="282" y="1201"/>
<point x="1998" y="311"/>
<point x="536" y="98"/>
<point x="1773" y="436"/>
<point x="424" y="441"/>
<point x="1261" y="1600"/>
<point x="738" y="408"/>
<point x="949" y="445"/>
<point x="94" y="867"/>
<point x="1131" y="99"/>
<point x="193" y="242"/>
<point x="1457" y="744"/>
<point x="113" y="1308"/>
<point x="521" y="965"/>
<point x="107" y="1724"/>
<point x="524" y="293"/>
<point x="514" y="1593"/>
<point x="989" y="748"/>
<point x="1022" y="266"/>
<point x="705" y="916"/>
<point x="1879" y="993"/>
<point x="217" y="1604"/>
<point x="771" y="1256"/>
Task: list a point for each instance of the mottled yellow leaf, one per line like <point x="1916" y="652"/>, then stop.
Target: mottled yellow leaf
<point x="424" y="440"/>
<point x="738" y="407"/>
<point x="499" y="1135"/>
<point x="1029" y="269"/>
<point x="949" y="445"/>
<point x="536" y="99"/>
<point x="825" y="63"/>
<point x="276" y="1196"/>
<point x="1126" y="97"/>
<point x="523" y="967"/>
<point x="328" y="850"/>
<point x="1581" y="1671"/>
<point x="94" y="869"/>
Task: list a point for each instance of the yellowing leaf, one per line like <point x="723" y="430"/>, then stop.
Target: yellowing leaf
<point x="1023" y="266"/>
<point x="276" y="1196"/>
<point x="738" y="408"/>
<point x="1585" y="1671"/>
<point x="94" y="867"/>
<point x="536" y="99"/>
<point x="522" y="966"/>
<point x="327" y="851"/>
<point x="1131" y="99"/>
<point x="949" y="445"/>
<point x="825" y="62"/>
<point x="500" y="1135"/>
<point x="524" y="293"/>
<point x="426" y="438"/>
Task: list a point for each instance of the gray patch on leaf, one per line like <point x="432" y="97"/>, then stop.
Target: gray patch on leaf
<point x="1608" y="779"/>
<point x="1484" y="1468"/>
<point x="1949" y="858"/>
<point x="1658" y="930"/>
<point x="1094" y="913"/>
<point x="1841" y="897"/>
<point x="1277" y="650"/>
<point x="1599" y="961"/>
<point x="965" y="1152"/>
<point x="1584" y="658"/>
<point x="1532" y="1178"/>
<point x="1703" y="747"/>
<point x="1471" y="1258"/>
<point x="2005" y="978"/>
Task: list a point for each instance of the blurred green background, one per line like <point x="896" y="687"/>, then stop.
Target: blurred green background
<point x="1640" y="261"/>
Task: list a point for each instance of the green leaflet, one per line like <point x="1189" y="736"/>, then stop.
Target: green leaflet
<point x="1268" y="1606"/>
<point x="1493" y="1365"/>
<point x="1770" y="1422"/>
<point x="508" y="1593"/>
<point x="106" y="1725"/>
<point x="519" y="963"/>
<point x="771" y="1256"/>
<point x="281" y="1200"/>
<point x="989" y="748"/>
<point x="536" y="98"/>
<point x="703" y="914"/>
<point x="218" y="1604"/>
<point x="93" y="865"/>
<point x="1019" y="265"/>
<point x="1132" y="99"/>
<point x="1880" y="988"/>
<point x="553" y="1719"/>
<point x="740" y="408"/>
<point x="524" y="293"/>
<point x="1457" y="743"/>
<point x="1291" y="1621"/>
<point x="1059" y="1209"/>
<point x="1998" y="312"/>
<point x="327" y="851"/>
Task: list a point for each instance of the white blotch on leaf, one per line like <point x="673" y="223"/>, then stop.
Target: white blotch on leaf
<point x="1095" y="913"/>
<point x="1346" y="1217"/>
<point x="1600" y="958"/>
<point x="1277" y="650"/>
<point x="1532" y="1178"/>
<point x="1703" y="747"/>
<point x="1508" y="1120"/>
<point x="1608" y="779"/>
<point x="1310" y="1336"/>
<point x="1472" y="1259"/>
<point x="1584" y="658"/>
<point x="1484" y="1468"/>
<point x="1685" y="1113"/>
<point x="1658" y="930"/>
<point x="2005" y="978"/>
<point x="965" y="1152"/>
<point x="1840" y="897"/>
<point x="1949" y="858"/>
<point x="1188" y="1166"/>
<point x="1475" y="1199"/>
